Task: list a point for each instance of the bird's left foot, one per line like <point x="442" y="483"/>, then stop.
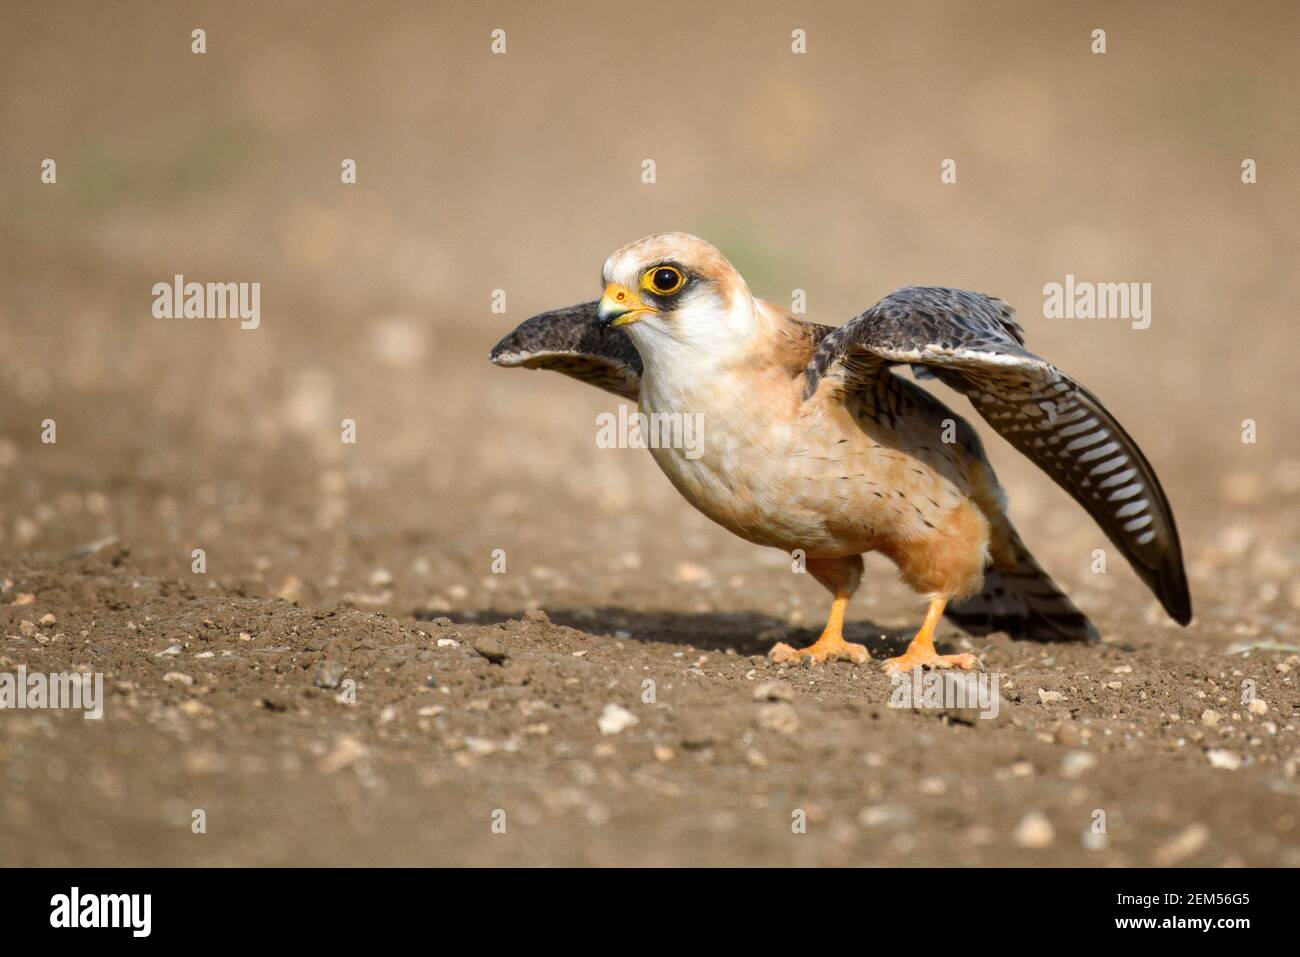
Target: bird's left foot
<point x="826" y="648"/>
<point x="920" y="653"/>
<point x="927" y="657"/>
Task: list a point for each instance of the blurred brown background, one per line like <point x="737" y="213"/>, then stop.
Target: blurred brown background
<point x="522" y="172"/>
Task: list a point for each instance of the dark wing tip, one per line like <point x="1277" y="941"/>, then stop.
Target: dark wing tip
<point x="1174" y="593"/>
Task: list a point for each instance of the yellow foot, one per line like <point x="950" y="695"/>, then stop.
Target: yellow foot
<point x="826" y="648"/>
<point x="927" y="657"/>
<point x="920" y="653"/>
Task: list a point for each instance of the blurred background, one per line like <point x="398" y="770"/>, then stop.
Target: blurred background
<point x="521" y="172"/>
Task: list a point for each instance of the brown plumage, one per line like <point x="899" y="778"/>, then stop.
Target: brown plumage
<point x="813" y="443"/>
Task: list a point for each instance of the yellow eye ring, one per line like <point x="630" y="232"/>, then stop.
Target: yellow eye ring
<point x="663" y="280"/>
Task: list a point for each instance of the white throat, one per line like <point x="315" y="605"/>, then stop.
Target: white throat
<point x="688" y="351"/>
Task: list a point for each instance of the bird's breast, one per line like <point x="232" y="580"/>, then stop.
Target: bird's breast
<point x="779" y="471"/>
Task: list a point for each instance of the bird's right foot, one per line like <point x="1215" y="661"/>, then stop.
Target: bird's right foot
<point x="826" y="648"/>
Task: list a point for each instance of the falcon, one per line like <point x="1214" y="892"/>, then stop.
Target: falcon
<point x="813" y="441"/>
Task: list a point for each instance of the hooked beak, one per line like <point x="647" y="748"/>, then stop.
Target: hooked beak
<point x="621" y="306"/>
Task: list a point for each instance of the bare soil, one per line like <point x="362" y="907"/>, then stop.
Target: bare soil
<point x="354" y="678"/>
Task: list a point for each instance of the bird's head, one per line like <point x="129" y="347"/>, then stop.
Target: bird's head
<point x="675" y="289"/>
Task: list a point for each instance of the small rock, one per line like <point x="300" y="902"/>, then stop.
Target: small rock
<point x="774" y="691"/>
<point x="380" y="577"/>
<point x="516" y="675"/>
<point x="179" y="677"/>
<point x="1035" y="831"/>
<point x="779" y="717"/>
<point x="698" y="735"/>
<point x="616" y="718"/>
<point x="691" y="573"/>
<point x="346" y="752"/>
<point x="48" y="619"/>
<point x="448" y="643"/>
<point x="27" y="628"/>
<point x="663" y="753"/>
<point x="1049" y="697"/>
<point x="1223" y="758"/>
<point x="1181" y="847"/>
<point x="1259" y="706"/>
<point x="491" y="649"/>
<point x="536" y="616"/>
<point x="169" y="651"/>
<point x="1210" y="717"/>
<point x="933" y="786"/>
<point x="878" y="815"/>
<point x="1076" y="763"/>
<point x="327" y="674"/>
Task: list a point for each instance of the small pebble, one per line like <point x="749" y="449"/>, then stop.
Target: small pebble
<point x="1076" y="763"/>
<point x="1182" y="847"/>
<point x="1222" y="758"/>
<point x="491" y="649"/>
<point x="327" y="674"/>
<point x="779" y="717"/>
<point x="774" y="691"/>
<point x="616" y="718"/>
<point x="1035" y="831"/>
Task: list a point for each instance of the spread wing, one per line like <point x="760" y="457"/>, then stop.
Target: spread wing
<point x="971" y="343"/>
<point x="573" y="342"/>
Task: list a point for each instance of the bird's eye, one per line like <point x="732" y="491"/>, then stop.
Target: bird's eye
<point x="664" y="280"/>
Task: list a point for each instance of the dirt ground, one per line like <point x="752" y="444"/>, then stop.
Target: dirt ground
<point x="354" y="679"/>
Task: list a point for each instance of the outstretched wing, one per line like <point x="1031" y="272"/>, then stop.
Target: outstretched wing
<point x="972" y="343"/>
<point x="573" y="342"/>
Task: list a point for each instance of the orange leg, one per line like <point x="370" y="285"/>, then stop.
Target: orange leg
<point x="830" y="646"/>
<point x="921" y="651"/>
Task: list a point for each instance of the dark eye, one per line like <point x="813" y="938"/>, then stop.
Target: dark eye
<point x="665" y="280"/>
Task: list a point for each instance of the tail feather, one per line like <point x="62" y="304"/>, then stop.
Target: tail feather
<point x="1020" y="598"/>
